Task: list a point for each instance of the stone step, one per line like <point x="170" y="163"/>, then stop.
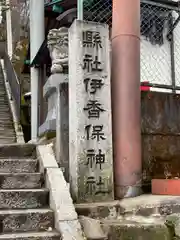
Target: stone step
<point x="48" y="235"/>
<point x="17" y="151"/>
<point x="20" y="180"/>
<point x="4" y="135"/>
<point x="145" y="205"/>
<point x="7" y="142"/>
<point x="7" y="135"/>
<point x="8" y="120"/>
<point x="24" y="198"/>
<point x="5" y="107"/>
<point x="18" y="165"/>
<point x="6" y="117"/>
<point x="25" y="220"/>
<point x="7" y="139"/>
<point x="135" y="229"/>
<point x="8" y="124"/>
<point x="8" y="131"/>
<point x="4" y="100"/>
<point x="5" y="111"/>
<point x="3" y="103"/>
<point x="2" y="92"/>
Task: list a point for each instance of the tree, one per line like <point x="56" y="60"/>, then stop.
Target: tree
<point x="4" y="6"/>
<point x="20" y="19"/>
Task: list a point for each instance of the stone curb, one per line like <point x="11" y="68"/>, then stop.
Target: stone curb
<point x="66" y="218"/>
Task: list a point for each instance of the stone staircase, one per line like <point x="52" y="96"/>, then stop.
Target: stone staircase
<point x="24" y="202"/>
<point x="7" y="132"/>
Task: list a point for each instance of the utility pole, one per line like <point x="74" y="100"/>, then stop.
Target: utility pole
<point x="126" y="97"/>
<point x="36" y="39"/>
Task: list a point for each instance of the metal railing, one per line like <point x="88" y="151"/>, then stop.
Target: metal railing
<point x="160" y="39"/>
<point x="14" y="84"/>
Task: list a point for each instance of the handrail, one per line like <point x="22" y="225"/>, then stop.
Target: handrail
<point x="14" y="84"/>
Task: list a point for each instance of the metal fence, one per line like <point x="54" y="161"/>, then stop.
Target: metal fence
<point x="98" y="11"/>
<point x="14" y="84"/>
<point x="160" y="39"/>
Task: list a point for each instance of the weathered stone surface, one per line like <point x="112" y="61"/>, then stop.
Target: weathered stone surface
<point x="32" y="236"/>
<point x="23" y="213"/>
<point x="18" y="150"/>
<point x="23" y="199"/>
<point x="92" y="228"/>
<point x="66" y="219"/>
<point x="136" y="231"/>
<point x="46" y="157"/>
<point x="25" y="220"/>
<point x="60" y="198"/>
<point x="144" y="205"/>
<point x="110" y="210"/>
<point x="18" y="165"/>
<point x="71" y="230"/>
<point x="20" y="180"/>
<point x="62" y="129"/>
<point x="90" y="112"/>
<point x="173" y="223"/>
<point x="50" y="92"/>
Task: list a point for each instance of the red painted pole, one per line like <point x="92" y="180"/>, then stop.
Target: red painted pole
<point x="126" y="97"/>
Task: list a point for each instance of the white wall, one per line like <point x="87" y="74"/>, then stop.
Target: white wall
<point x="156" y="63"/>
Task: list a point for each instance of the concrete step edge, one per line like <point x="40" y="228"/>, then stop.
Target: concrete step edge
<point x="26" y="211"/>
<point x="24" y="190"/>
<point x="18" y="159"/>
<point x="19" y="174"/>
<point x="31" y="235"/>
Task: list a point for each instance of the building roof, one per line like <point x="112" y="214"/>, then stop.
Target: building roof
<point x="51" y="14"/>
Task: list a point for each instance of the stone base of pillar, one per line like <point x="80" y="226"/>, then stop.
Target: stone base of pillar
<point x="48" y="128"/>
<point x="55" y="91"/>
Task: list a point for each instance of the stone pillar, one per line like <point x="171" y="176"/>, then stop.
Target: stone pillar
<point x="90" y="125"/>
<point x="36" y="39"/>
<point x="56" y="93"/>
